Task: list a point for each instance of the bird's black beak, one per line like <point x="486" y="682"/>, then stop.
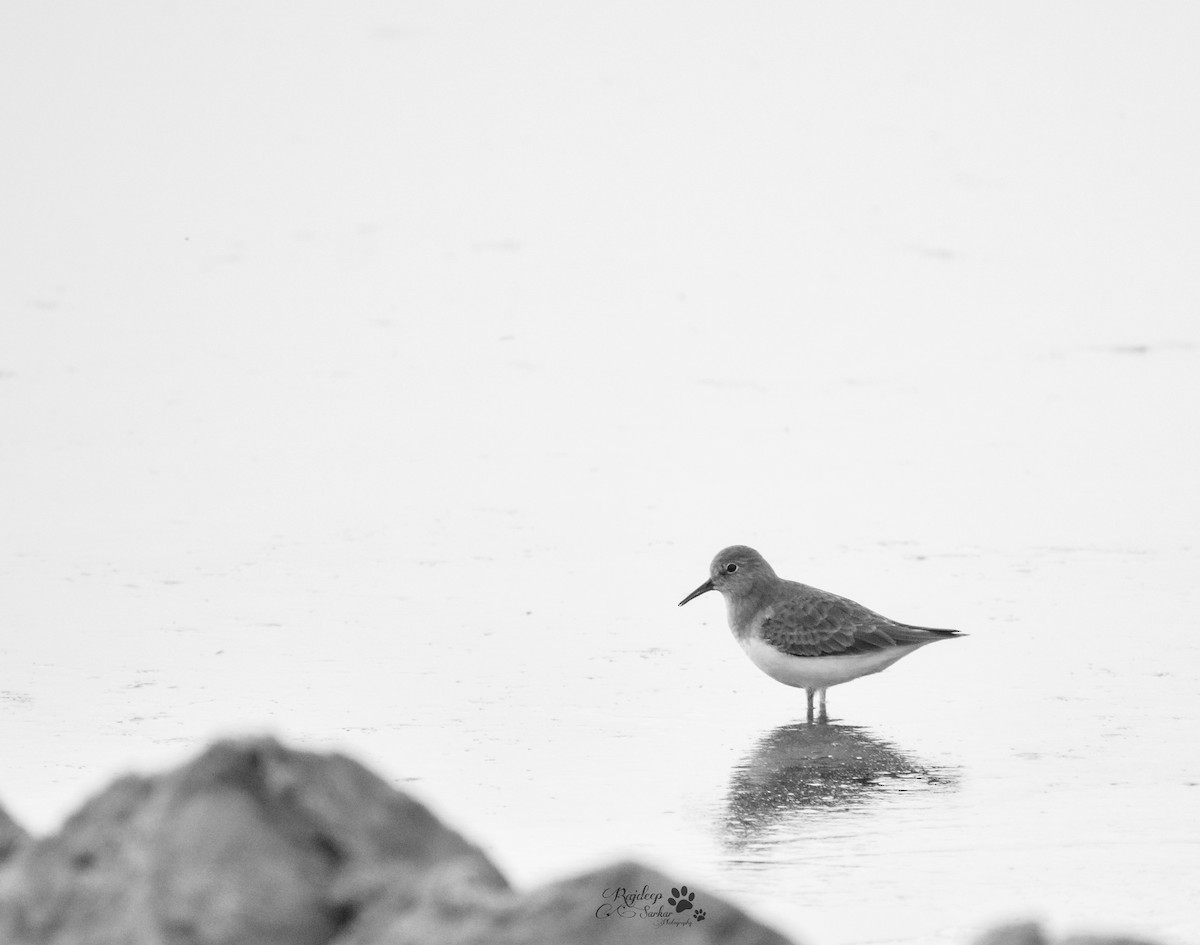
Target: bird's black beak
<point x="702" y="589"/>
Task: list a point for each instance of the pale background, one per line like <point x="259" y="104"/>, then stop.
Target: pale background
<point x="381" y="374"/>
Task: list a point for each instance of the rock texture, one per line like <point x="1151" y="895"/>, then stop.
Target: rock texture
<point x="596" y="908"/>
<point x="11" y="836"/>
<point x="1030" y="933"/>
<point x="250" y="843"/>
<point x="256" y="844"/>
<point x="1104" y="940"/>
<point x="1017" y="933"/>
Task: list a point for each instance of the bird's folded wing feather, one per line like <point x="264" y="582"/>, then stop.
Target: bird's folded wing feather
<point x="816" y="623"/>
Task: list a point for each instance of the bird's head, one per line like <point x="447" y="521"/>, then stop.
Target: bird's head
<point x="736" y="571"/>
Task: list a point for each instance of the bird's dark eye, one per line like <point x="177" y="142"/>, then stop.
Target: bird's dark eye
<point x="730" y="568"/>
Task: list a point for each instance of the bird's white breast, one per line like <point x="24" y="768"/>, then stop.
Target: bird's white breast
<point x="820" y="672"/>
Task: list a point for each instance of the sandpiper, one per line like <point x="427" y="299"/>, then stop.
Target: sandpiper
<point x="803" y="636"/>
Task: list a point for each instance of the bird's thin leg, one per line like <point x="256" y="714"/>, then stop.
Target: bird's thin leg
<point x="823" y="716"/>
<point x="809" y="693"/>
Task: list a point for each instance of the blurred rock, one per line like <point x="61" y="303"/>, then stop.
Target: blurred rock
<point x="255" y="844"/>
<point x="1017" y="933"/>
<point x="11" y="835"/>
<point x="586" y="910"/>
<point x="1029" y="933"/>
<point x="251" y="842"/>
<point x="1104" y="940"/>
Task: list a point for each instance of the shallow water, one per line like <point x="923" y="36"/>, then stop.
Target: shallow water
<point x="971" y="782"/>
<point x="326" y="416"/>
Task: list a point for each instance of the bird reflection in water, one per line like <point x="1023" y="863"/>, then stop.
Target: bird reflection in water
<point x="799" y="769"/>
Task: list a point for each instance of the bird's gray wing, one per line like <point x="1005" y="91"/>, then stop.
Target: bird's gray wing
<point x="817" y="623"/>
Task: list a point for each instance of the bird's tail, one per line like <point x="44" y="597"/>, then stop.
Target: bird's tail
<point x="941" y="633"/>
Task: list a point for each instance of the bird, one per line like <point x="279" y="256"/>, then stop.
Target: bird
<point x="802" y="636"/>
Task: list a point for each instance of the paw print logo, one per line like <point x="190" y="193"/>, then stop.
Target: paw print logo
<point x="681" y="899"/>
<point x="700" y="915"/>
